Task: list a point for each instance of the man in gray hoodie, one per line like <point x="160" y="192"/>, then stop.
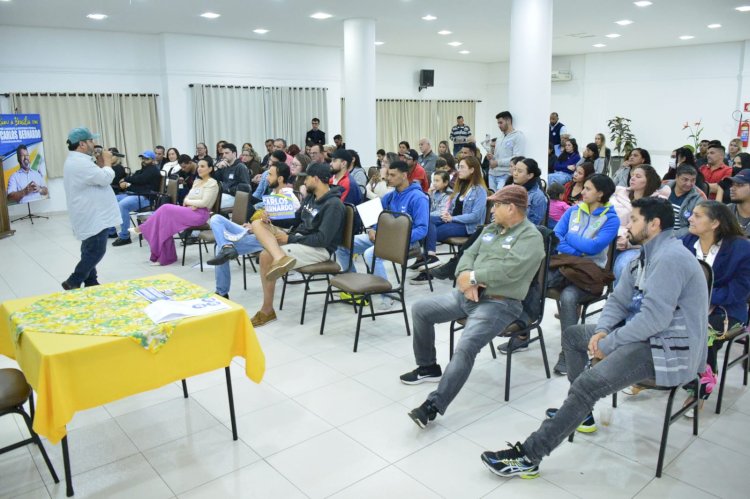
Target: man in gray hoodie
<point x="663" y="337"/>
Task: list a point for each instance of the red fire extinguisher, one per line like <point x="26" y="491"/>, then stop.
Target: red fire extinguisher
<point x="743" y="132"/>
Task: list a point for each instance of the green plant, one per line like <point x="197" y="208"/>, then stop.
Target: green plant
<point x="695" y="133"/>
<point x="621" y="136"/>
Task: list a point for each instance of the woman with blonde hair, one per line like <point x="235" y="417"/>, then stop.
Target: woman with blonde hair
<point x="466" y="210"/>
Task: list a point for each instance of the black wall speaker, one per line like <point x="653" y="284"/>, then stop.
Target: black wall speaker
<point x="426" y="78"/>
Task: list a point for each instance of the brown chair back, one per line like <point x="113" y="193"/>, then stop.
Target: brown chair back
<point x="347" y="241"/>
<point x="217" y="203"/>
<point x="172" y="188"/>
<point x="239" y="211"/>
<point x="393" y="237"/>
<point x="709" y="273"/>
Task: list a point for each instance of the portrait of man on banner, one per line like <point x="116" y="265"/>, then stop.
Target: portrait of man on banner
<point x="22" y="151"/>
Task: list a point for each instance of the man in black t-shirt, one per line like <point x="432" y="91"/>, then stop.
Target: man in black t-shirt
<point x="315" y="136"/>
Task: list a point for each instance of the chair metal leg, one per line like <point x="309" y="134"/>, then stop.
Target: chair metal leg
<point x="66" y="462"/>
<point x="450" y="345"/>
<point x="406" y="316"/>
<point x="728" y="363"/>
<point x="184" y="389"/>
<point x="544" y="351"/>
<point x="492" y="350"/>
<point x="304" y="298"/>
<point x="244" y="273"/>
<point x="614" y="400"/>
<point x="31" y="406"/>
<point x="665" y="431"/>
<point x="35" y="438"/>
<point x="359" y="323"/>
<point x="283" y="293"/>
<point x="200" y="254"/>
<point x="508" y="358"/>
<point x="231" y="403"/>
<point x="372" y="308"/>
<point x="329" y="293"/>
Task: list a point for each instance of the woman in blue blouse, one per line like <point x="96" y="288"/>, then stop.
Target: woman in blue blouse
<point x="566" y="164"/>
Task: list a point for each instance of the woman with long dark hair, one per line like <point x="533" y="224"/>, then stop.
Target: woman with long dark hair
<point x="566" y="163"/>
<point x="637" y="156"/>
<point x="717" y="239"/>
<point x="574" y="189"/>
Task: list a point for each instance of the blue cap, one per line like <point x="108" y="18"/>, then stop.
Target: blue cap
<point x="81" y="134"/>
<point x="742" y="177"/>
<point x="147" y="154"/>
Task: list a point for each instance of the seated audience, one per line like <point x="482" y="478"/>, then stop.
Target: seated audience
<point x="663" y="338"/>
<point x="466" y="210"/>
<point x="357" y="173"/>
<point x="297" y="168"/>
<point x="526" y="173"/>
<point x="440" y="193"/>
<point x="233" y="240"/>
<point x="557" y="207"/>
<point x="573" y="190"/>
<point x="566" y="163"/>
<point x="604" y="152"/>
<point x="416" y="172"/>
<point x="741" y="162"/>
<point x="172" y="165"/>
<point x="277" y="156"/>
<point x="740" y="195"/>
<point x="644" y="182"/>
<point x="493" y="277"/>
<point x="715" y="170"/>
<point x="637" y="156"/>
<point x="733" y="149"/>
<point x="251" y="162"/>
<point x="717" y="239"/>
<point x="684" y="196"/>
<point x="591" y="155"/>
<point x="118" y="168"/>
<point x="201" y="152"/>
<point x="186" y="176"/>
<point x="320" y="225"/>
<point x="444" y="148"/>
<point x="233" y="175"/>
<point x="585" y="230"/>
<point x="138" y="190"/>
<point x="341" y="159"/>
<point x="377" y="185"/>
<point x="171" y="219"/>
<point x="407" y="197"/>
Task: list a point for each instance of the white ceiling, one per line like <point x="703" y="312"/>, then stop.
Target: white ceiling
<point x="482" y="25"/>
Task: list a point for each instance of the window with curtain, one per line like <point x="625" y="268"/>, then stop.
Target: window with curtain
<point x="253" y="114"/>
<point x="411" y="120"/>
<point x="127" y="121"/>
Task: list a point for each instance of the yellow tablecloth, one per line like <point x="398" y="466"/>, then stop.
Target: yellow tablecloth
<point x="70" y="372"/>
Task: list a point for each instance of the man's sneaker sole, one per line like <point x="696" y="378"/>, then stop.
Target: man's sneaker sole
<point x="414" y="417"/>
<point x="423" y="379"/>
<point x="525" y="475"/>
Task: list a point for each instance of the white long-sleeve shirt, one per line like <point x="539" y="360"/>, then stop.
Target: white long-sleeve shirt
<point x="92" y="205"/>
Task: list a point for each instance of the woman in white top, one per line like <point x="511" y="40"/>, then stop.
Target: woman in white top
<point x="171" y="219"/>
<point x="172" y="166"/>
<point x="377" y="186"/>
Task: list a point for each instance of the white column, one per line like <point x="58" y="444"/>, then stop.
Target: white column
<point x="359" y="88"/>
<point x="530" y="85"/>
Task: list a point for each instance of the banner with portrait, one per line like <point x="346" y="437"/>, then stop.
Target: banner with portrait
<point x="22" y="151"/>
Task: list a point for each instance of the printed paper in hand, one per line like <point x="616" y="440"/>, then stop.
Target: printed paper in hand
<point x="370" y="211"/>
<point x="278" y="207"/>
<point x="170" y="310"/>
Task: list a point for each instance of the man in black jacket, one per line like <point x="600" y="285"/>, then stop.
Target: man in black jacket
<point x="320" y="224"/>
<point x="233" y="175"/>
<point x="138" y="190"/>
<point x="315" y="135"/>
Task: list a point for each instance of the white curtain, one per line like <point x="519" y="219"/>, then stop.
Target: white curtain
<point x="126" y="121"/>
<point x="412" y="120"/>
<point x="253" y="114"/>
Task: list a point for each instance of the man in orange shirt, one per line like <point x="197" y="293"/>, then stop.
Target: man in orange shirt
<point x="715" y="170"/>
<point x="416" y="172"/>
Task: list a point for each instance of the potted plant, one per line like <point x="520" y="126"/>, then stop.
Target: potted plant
<point x="622" y="138"/>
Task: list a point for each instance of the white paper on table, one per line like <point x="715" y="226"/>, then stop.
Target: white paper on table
<point x="370" y="211"/>
<point x="170" y="310"/>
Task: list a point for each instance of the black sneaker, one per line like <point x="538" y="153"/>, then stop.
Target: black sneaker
<point x="419" y="262"/>
<point x="422" y="278"/>
<point x="422" y="374"/>
<point x="510" y="462"/>
<point x="423" y="414"/>
<point x="447" y="271"/>
<point x="519" y="345"/>
<point x="432" y="261"/>
<point x="66" y="286"/>
<point x="587" y="426"/>
<point x="121" y="242"/>
<point x="223" y="295"/>
<point x="112" y="235"/>
<point x="225" y="254"/>
<point x="561" y="367"/>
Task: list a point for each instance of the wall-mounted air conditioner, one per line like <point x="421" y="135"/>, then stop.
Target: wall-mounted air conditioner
<point x="561" y="75"/>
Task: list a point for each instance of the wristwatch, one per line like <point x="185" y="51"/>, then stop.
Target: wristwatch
<point x="472" y="278"/>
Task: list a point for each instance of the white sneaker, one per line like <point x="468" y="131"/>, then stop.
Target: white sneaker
<point x="133" y="233"/>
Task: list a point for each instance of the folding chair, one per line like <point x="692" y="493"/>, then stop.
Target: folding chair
<point x="186" y="235"/>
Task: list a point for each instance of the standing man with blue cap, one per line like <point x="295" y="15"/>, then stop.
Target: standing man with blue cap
<point x="92" y="205"/>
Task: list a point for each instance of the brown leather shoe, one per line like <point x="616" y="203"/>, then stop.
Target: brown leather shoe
<point x="280" y="267"/>
<point x="261" y="319"/>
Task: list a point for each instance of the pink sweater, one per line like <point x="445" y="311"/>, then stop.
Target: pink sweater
<point x="556" y="209"/>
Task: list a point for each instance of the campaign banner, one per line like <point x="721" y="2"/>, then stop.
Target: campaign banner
<point x="279" y="207"/>
<point x="22" y="151"/>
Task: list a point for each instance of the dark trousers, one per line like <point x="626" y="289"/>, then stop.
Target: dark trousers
<point x="92" y="252"/>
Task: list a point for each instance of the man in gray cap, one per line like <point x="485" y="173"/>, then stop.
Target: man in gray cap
<point x="92" y="205"/>
<point x="492" y="278"/>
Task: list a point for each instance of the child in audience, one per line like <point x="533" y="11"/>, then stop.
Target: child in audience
<point x="556" y="205"/>
<point x="440" y="193"/>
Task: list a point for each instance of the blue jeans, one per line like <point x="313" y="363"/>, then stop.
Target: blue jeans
<point x="628" y="364"/>
<point x="561" y="178"/>
<point x="437" y="230"/>
<point x="245" y="246"/>
<point x="497" y="181"/>
<point x="622" y="260"/>
<point x="128" y="203"/>
<point x="486" y="318"/>
<point x="362" y="246"/>
<point x="92" y="252"/>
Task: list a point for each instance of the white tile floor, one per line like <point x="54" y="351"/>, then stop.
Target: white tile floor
<point x="329" y="422"/>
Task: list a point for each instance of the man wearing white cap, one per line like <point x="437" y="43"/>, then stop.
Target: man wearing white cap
<point x="92" y="205"/>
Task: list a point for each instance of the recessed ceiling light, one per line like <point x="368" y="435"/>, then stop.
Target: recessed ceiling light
<point x="613" y="35"/>
<point x="455" y="44"/>
<point x="598" y="45"/>
<point x="321" y="15"/>
<point x="687" y="37"/>
<point x="624" y="22"/>
<point x="97" y="17"/>
<point x="714" y="26"/>
<point x="260" y="31"/>
<point x="445" y="32"/>
<point x="464" y="52"/>
<point x="210" y="15"/>
<point x="379" y="43"/>
<point x="429" y="17"/>
<point x="4" y="0"/>
<point x="642" y="3"/>
<point x="743" y="8"/>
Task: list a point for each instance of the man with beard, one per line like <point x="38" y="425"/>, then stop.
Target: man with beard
<point x="26" y="184"/>
<point x="647" y="330"/>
